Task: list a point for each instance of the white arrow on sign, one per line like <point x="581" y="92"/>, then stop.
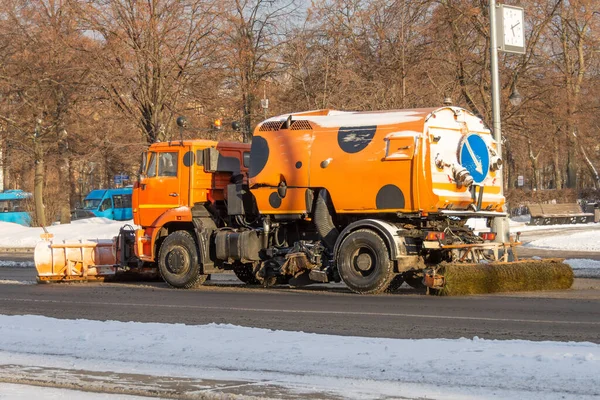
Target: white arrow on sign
<point x="478" y="166"/>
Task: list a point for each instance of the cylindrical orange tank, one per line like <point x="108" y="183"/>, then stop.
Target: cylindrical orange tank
<point x="403" y="161"/>
<point x="75" y="259"/>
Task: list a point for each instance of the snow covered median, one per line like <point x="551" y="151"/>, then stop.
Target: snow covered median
<point x="15" y="236"/>
<point x="432" y="368"/>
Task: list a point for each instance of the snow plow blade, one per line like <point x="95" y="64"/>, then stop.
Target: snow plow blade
<point x="519" y="276"/>
<point x="84" y="260"/>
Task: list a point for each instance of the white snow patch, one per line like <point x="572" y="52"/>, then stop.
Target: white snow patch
<point x="578" y="241"/>
<point x="12" y="282"/>
<point x="528" y="370"/>
<point x="20" y="264"/>
<point x="583" y="268"/>
<point x="15" y="235"/>
<point x="24" y="392"/>
<point x="356" y="119"/>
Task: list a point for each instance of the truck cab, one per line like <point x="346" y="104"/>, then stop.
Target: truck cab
<point x="179" y="178"/>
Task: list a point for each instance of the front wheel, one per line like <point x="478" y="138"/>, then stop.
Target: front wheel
<point x="178" y="261"/>
<point x="364" y="263"/>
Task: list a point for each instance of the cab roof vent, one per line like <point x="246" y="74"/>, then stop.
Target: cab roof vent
<point x="270" y="126"/>
<point x="301" y="125"/>
<point x="297" y="125"/>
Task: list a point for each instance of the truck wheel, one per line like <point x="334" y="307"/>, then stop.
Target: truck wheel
<point x="178" y="261"/>
<point x="364" y="263"/>
<point x="245" y="273"/>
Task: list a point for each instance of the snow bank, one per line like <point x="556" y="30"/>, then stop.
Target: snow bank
<point x="583" y="268"/>
<point x="14" y="235"/>
<point x="579" y="241"/>
<point x="541" y="369"/>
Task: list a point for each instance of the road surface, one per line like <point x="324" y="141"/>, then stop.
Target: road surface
<point x="572" y="315"/>
<point x="332" y="308"/>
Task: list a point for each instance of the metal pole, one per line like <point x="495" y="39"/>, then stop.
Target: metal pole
<point x="499" y="225"/>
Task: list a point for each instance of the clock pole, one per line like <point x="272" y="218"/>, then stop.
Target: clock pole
<point x="499" y="224"/>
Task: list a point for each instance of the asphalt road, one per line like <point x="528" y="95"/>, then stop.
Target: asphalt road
<point x="332" y="309"/>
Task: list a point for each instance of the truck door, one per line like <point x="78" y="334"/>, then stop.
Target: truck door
<point x="163" y="186"/>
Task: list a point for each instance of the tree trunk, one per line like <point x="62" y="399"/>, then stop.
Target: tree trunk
<point x="509" y="168"/>
<point x="247" y="116"/>
<point x="558" y="176"/>
<point x="4" y="161"/>
<point x="38" y="191"/>
<point x="588" y="163"/>
<point x="571" y="162"/>
<point x="64" y="178"/>
<point x="535" y="166"/>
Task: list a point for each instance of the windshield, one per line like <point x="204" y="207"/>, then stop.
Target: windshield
<point x="91" y="204"/>
<point x="11" y="205"/>
<point x="152" y="165"/>
<point x="143" y="164"/>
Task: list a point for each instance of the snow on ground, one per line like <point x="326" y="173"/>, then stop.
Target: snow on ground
<point x="24" y="392"/>
<point x="352" y="367"/>
<point x="578" y="241"/>
<point x="432" y="368"/>
<point x="14" y="235"/>
<point x="583" y="268"/>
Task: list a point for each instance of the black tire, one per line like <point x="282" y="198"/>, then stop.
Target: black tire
<point x="395" y="284"/>
<point x="364" y="263"/>
<point x="178" y="261"/>
<point x="245" y="273"/>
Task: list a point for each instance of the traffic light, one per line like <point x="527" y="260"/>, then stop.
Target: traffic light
<point x="218" y="124"/>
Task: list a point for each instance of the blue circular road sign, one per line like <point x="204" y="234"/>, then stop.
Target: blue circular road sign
<point x="475" y="157"/>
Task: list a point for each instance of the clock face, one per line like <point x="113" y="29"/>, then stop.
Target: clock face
<point x="513" y="27"/>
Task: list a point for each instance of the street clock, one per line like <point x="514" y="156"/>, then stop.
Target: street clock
<point x="510" y="23"/>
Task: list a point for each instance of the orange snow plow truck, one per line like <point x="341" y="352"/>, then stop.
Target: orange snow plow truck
<point x="373" y="199"/>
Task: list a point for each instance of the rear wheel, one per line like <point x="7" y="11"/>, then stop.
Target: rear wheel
<point x="178" y="261"/>
<point x="364" y="262"/>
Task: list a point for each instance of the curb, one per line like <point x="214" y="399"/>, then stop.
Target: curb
<point x="17" y="250"/>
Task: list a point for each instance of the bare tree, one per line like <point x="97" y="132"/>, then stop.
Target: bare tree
<point x="41" y="81"/>
<point x="254" y="31"/>
<point x="153" y="51"/>
<point x="577" y="29"/>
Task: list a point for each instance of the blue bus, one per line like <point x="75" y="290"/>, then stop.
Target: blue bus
<point x="12" y="207"/>
<point x="110" y="203"/>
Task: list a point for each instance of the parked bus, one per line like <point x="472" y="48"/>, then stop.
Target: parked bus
<point x="110" y="203"/>
<point x="12" y="207"/>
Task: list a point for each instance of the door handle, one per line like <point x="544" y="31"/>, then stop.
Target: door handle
<point x="173" y="194"/>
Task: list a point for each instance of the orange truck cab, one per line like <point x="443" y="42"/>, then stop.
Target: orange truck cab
<point x="177" y="175"/>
